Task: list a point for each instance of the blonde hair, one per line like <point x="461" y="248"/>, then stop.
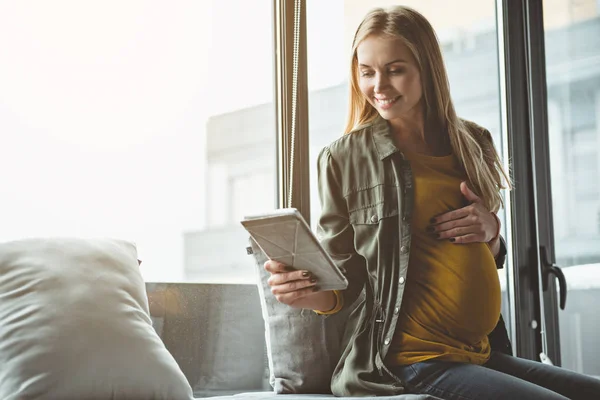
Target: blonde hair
<point x="474" y="150"/>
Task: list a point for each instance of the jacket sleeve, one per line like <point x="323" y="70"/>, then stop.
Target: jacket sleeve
<point x="334" y="230"/>
<point x="501" y="258"/>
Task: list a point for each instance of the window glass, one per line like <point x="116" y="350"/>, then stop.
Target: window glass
<point x="142" y="120"/>
<point x="467" y="33"/>
<point x="573" y="87"/>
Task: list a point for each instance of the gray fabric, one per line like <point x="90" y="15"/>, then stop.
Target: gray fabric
<point x="302" y="347"/>
<point x="216" y="334"/>
<point x="74" y="324"/>
<point x="273" y="396"/>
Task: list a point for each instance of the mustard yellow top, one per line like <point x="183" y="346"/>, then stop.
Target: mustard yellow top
<point x="452" y="296"/>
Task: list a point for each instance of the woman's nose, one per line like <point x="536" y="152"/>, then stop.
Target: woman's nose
<point x="381" y="82"/>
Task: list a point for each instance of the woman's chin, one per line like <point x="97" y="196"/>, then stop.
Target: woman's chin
<point x="398" y="113"/>
<point x="390" y="113"/>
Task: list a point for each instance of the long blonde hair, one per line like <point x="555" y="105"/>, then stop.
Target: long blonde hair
<point x="473" y="149"/>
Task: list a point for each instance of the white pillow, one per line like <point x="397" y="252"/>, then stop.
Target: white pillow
<point x="74" y="324"/>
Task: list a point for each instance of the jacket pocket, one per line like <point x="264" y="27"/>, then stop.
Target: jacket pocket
<point x="373" y="215"/>
<point x="370" y="206"/>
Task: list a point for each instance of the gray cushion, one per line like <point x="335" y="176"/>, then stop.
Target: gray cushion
<point x="273" y="396"/>
<point x="303" y="348"/>
<point x="215" y="333"/>
<point x="74" y="324"/>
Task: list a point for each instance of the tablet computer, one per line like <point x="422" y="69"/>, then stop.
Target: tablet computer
<point x="284" y="236"/>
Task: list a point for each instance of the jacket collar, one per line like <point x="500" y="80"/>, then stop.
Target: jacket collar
<point x="382" y="138"/>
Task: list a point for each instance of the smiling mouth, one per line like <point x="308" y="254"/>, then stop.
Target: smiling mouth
<point x="386" y="102"/>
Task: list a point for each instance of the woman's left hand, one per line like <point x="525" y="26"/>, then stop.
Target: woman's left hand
<point x="470" y="224"/>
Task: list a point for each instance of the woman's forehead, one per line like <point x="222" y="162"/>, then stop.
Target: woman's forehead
<point x="382" y="49"/>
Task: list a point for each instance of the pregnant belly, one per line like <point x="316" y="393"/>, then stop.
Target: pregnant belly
<point x="452" y="291"/>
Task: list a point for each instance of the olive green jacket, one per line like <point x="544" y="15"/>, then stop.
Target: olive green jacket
<point x="366" y="193"/>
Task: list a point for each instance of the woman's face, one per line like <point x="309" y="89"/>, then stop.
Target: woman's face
<point x="389" y="77"/>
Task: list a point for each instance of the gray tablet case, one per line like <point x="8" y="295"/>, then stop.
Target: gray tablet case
<point x="284" y="236"/>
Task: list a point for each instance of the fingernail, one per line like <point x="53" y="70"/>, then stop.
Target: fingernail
<point x="313" y="280"/>
<point x="429" y="229"/>
<point x="452" y="239"/>
<point x="315" y="289"/>
<point x="306" y="274"/>
<point x="437" y="235"/>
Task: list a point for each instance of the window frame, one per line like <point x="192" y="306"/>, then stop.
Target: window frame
<point x="284" y="15"/>
<point x="524" y="121"/>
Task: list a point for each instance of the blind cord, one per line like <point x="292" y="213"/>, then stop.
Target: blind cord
<point x="295" y="50"/>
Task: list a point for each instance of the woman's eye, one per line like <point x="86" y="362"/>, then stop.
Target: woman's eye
<point x="396" y="71"/>
<point x="366" y="73"/>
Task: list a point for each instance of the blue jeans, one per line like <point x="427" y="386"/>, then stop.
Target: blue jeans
<point x="503" y="377"/>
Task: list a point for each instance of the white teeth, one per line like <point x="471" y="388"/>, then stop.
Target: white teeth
<point x="388" y="101"/>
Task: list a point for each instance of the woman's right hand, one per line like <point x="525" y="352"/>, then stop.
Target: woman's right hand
<point x="297" y="288"/>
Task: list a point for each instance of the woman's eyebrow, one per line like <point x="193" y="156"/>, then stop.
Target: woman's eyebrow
<point x="399" y="60"/>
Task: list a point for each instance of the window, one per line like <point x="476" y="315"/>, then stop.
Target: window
<point x="128" y="120"/>
<point x="468" y="36"/>
<point x="573" y="87"/>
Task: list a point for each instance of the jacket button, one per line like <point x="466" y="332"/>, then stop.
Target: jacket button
<point x="374" y="218"/>
<point x="386" y="341"/>
<point x="396" y="310"/>
<point x="403" y="249"/>
<point x="401" y="280"/>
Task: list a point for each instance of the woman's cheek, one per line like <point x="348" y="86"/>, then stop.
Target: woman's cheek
<point x="366" y="91"/>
